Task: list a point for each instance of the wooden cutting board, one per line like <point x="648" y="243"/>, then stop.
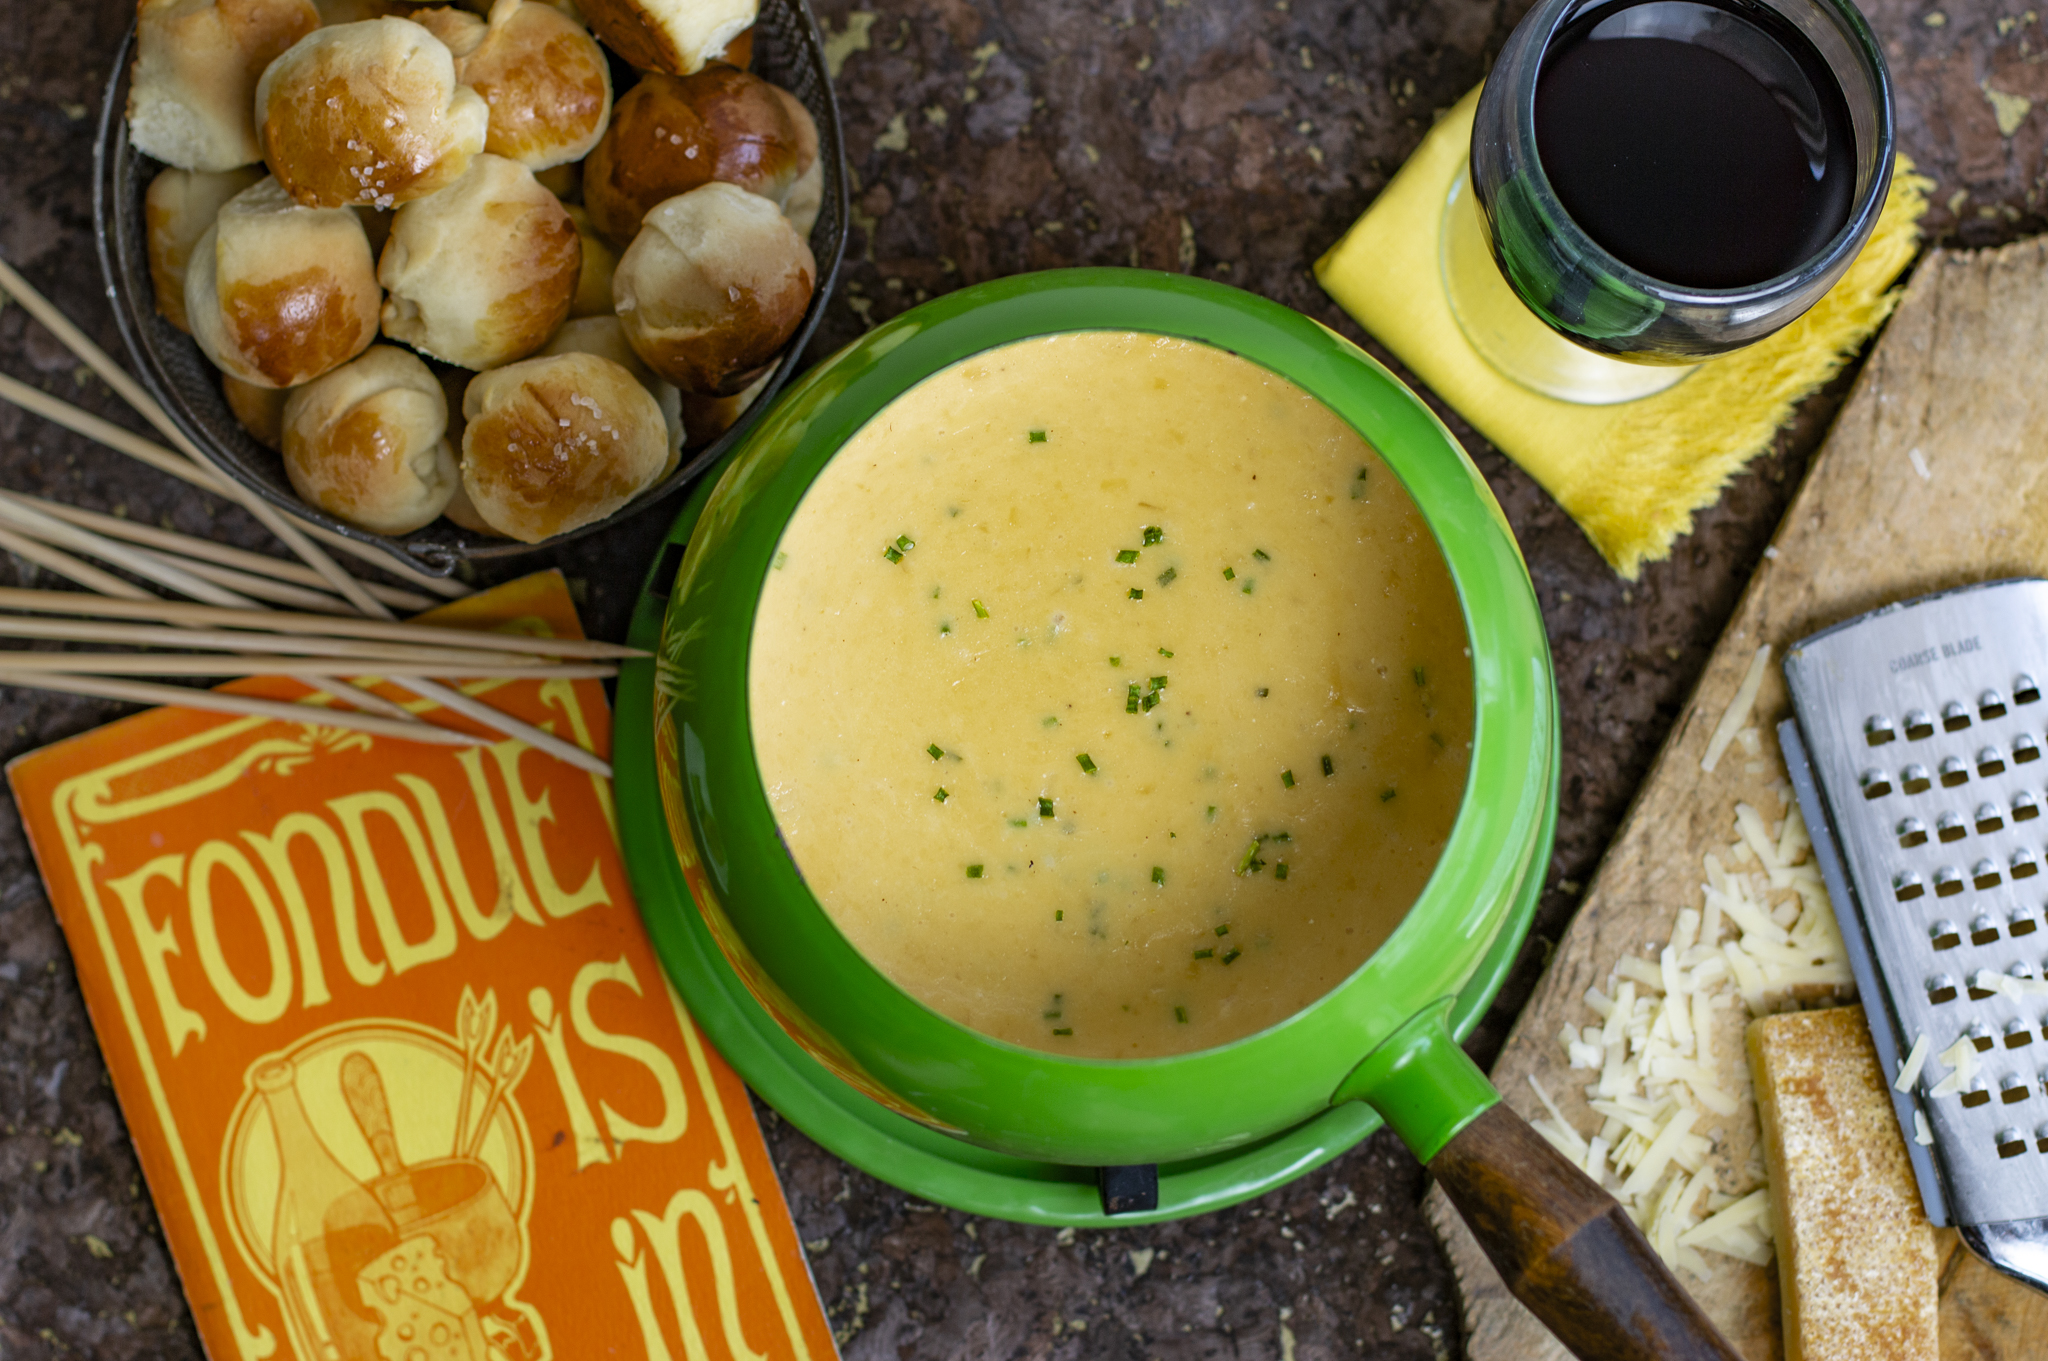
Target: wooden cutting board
<point x="1936" y="474"/>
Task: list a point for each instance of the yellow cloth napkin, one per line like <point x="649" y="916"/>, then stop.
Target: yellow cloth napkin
<point x="1631" y="474"/>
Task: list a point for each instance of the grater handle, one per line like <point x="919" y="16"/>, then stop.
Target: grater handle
<point x="1568" y="1250"/>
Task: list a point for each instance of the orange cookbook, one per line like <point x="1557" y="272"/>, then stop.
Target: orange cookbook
<point x="404" y="1073"/>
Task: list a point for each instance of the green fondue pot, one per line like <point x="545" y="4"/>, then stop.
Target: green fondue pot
<point x="1381" y="1037"/>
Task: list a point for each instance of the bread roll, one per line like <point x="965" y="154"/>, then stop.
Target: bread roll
<point x="557" y="442"/>
<point x="674" y="36"/>
<point x="368" y="442"/>
<point x="564" y="181"/>
<point x="459" y="31"/>
<point x="368" y="113"/>
<point x="191" y="97"/>
<point x="712" y="288"/>
<point x="670" y="134"/>
<point x="278" y="294"/>
<point x="600" y="262"/>
<point x="602" y="337"/>
<point x="260" y="411"/>
<point x="706" y="418"/>
<point x="483" y="272"/>
<point x="176" y="211"/>
<point x="546" y="80"/>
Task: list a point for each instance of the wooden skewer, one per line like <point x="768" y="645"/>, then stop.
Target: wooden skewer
<point x="190" y="546"/>
<point x="364" y="655"/>
<point x="121" y="441"/>
<point x="142" y="562"/>
<point x="64" y="565"/>
<point x="417" y="635"/>
<point x="261" y="589"/>
<point x="357" y="697"/>
<point x="460" y="703"/>
<point x="306" y="668"/>
<point x="178" y="696"/>
<point x="145" y="406"/>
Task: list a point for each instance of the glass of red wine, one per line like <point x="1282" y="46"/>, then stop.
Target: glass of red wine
<point x="1657" y="182"/>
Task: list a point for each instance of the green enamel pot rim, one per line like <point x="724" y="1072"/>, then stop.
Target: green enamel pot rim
<point x="1026" y="1102"/>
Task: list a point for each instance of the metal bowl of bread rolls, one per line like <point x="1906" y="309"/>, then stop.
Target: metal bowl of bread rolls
<point x="466" y="280"/>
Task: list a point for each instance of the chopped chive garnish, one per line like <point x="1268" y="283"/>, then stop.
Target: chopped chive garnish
<point x="1358" y="486"/>
<point x="1281" y="836"/>
<point x="1211" y="814"/>
<point x="980" y="610"/>
<point x="1209" y="953"/>
<point x="1153" y="534"/>
<point x="1059" y="914"/>
<point x="1116" y="661"/>
<point x="905" y="542"/>
<point x="1280" y="870"/>
<point x="935" y="592"/>
<point x="1051" y="721"/>
<point x="781" y="561"/>
<point x="1260" y="554"/>
<point x="1250" y="863"/>
<point x="1150" y="702"/>
<point x="1287" y="779"/>
<point x="935" y="751"/>
<point x="974" y="871"/>
<point x="1230" y="574"/>
<point x="893" y="553"/>
<point x="1044" y="806"/>
<point x="1063" y="1030"/>
<point x="1136" y="594"/>
<point x="1159" y="682"/>
<point x="945" y="628"/>
<point x="1181" y="1014"/>
<point x="1261" y="692"/>
<point x="1328" y="769"/>
<point x="1437" y="738"/>
<point x="1159" y="875"/>
<point x="1087" y="766"/>
<point x="1037" y="437"/>
<point x="1421" y="676"/>
<point x="1131" y="699"/>
<point x="1223" y="930"/>
<point x="1049" y="1015"/>
<point x="1127" y="555"/>
<point x="1231" y="954"/>
<point x="1387" y="794"/>
<point x="1164" y="653"/>
<point x="942" y="795"/>
<point x="1247" y="587"/>
<point x="1019" y="822"/>
<point x="1166" y="577"/>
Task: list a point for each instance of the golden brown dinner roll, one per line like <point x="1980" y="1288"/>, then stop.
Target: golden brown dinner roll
<point x="675" y="36"/>
<point x="368" y="113"/>
<point x="462" y="512"/>
<point x="600" y="261"/>
<point x="546" y="80"/>
<point x="556" y="442"/>
<point x="603" y="337"/>
<point x="482" y="272"/>
<point x="564" y="181"/>
<point x="458" y="29"/>
<point x="278" y="294"/>
<point x="191" y="97"/>
<point x="260" y="411"/>
<point x="713" y="287"/>
<point x="670" y="134"/>
<point x="368" y="442"/>
<point x="177" y="209"/>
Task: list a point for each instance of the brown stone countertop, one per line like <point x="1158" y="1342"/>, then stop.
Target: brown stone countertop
<point x="1231" y="140"/>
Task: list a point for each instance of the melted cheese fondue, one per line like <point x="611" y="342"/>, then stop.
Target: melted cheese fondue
<point x="1111" y="695"/>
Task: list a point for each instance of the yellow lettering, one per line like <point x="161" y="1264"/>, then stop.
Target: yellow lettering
<point x="354" y="812"/>
<point x="665" y="1236"/>
<point x="257" y="1010"/>
<point x="502" y="863"/>
<point x="528" y="815"/>
<point x="276" y="852"/>
<point x="156" y="942"/>
<point x="675" y="1106"/>
<point x="632" y="1265"/>
<point x="590" y="1145"/>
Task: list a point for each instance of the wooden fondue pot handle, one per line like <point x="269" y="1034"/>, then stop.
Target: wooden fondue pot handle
<point x="1567" y="1249"/>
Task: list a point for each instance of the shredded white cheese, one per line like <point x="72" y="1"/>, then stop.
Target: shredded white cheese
<point x="1922" y="1135"/>
<point x="1764" y="927"/>
<point x="1737" y="716"/>
<point x="1909" y="1071"/>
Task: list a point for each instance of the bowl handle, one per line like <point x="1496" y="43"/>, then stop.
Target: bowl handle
<point x="1564" y="1247"/>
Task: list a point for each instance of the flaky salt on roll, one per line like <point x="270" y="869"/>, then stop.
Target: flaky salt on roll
<point x="670" y="134"/>
<point x="368" y="442"/>
<point x="546" y="80"/>
<point x="193" y="91"/>
<point x="176" y="211"/>
<point x="674" y="36"/>
<point x="712" y="288"/>
<point x="484" y="271"/>
<point x="603" y="337"/>
<point x="368" y="113"/>
<point x="554" y="443"/>
<point x="277" y="294"/>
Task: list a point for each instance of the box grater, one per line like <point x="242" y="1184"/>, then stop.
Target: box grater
<point x="1916" y="754"/>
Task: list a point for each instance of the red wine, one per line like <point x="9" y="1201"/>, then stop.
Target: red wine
<point x="1705" y="144"/>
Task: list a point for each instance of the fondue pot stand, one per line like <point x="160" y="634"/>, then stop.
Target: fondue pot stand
<point x="959" y="1118"/>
